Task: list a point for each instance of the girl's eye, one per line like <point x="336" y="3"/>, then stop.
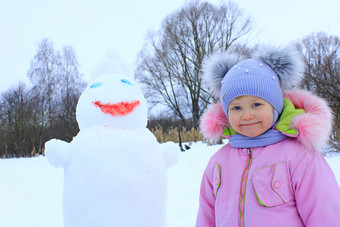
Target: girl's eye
<point x="236" y="108"/>
<point x="257" y="104"/>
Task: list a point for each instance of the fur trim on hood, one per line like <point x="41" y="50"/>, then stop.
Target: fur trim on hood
<point x="314" y="126"/>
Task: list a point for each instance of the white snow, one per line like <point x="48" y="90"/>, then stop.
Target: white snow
<point x="31" y="189"/>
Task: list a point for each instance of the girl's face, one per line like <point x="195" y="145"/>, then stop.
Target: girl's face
<point x="250" y="115"/>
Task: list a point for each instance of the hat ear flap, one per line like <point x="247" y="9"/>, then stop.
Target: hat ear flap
<point x="287" y="64"/>
<point x="216" y="67"/>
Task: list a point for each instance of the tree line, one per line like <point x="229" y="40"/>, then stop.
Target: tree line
<point x="169" y="67"/>
<point x="30" y="116"/>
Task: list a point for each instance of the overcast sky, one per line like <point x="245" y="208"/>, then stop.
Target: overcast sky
<point x="92" y="27"/>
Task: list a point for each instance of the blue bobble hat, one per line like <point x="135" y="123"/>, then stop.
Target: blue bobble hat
<point x="251" y="77"/>
<point x="266" y="75"/>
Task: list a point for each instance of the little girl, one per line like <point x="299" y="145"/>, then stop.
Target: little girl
<point x="271" y="172"/>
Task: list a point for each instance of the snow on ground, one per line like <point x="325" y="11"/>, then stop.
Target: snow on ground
<point x="31" y="189"/>
<point x="31" y="193"/>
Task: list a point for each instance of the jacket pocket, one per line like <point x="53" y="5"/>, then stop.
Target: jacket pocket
<point x="272" y="185"/>
<point x="216" y="179"/>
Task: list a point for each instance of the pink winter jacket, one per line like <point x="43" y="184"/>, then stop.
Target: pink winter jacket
<point x="286" y="184"/>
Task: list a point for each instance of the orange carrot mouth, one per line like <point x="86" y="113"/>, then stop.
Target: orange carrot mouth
<point x="118" y="109"/>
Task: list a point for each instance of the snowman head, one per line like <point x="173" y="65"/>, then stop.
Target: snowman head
<point x="112" y="101"/>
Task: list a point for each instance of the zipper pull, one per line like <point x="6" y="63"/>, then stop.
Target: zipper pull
<point x="250" y="152"/>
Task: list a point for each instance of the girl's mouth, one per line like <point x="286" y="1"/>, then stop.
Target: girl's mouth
<point x="117" y="109"/>
<point x="249" y="124"/>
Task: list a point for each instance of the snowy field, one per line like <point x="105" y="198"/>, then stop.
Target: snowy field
<point x="31" y="189"/>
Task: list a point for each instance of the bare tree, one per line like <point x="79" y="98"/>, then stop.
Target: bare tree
<point x="57" y="85"/>
<point x="321" y="54"/>
<point x="43" y="73"/>
<point x="169" y="66"/>
<point x="17" y="110"/>
<point x="70" y="87"/>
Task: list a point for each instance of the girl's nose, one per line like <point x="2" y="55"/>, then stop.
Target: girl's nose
<point x="248" y="115"/>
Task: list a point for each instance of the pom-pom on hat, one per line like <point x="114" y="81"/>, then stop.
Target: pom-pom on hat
<point x="266" y="75"/>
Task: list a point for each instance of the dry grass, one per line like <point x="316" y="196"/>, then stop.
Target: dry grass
<point x="172" y="134"/>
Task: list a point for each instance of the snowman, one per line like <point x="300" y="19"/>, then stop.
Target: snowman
<point x="114" y="169"/>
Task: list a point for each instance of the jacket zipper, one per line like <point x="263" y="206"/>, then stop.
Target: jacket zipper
<point x="243" y="188"/>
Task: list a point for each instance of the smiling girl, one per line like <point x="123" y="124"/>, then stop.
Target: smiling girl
<point x="271" y="173"/>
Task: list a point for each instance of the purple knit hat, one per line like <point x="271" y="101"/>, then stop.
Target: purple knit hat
<point x="266" y="75"/>
<point x="251" y="77"/>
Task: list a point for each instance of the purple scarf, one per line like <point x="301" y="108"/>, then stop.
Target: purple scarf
<point x="269" y="137"/>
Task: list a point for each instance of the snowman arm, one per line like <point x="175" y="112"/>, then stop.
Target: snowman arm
<point x="57" y="152"/>
<point x="170" y="152"/>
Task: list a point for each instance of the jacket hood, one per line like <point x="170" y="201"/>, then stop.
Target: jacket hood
<point x="314" y="127"/>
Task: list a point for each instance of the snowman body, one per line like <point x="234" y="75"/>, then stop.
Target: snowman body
<point x="110" y="184"/>
<point x="114" y="169"/>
